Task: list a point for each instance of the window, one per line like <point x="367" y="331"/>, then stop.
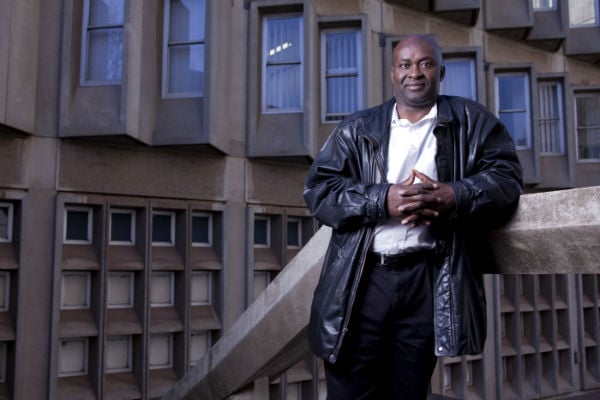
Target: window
<point x="118" y="354"/>
<point x="122" y="227"/>
<point x="102" y="53"/>
<point x="73" y="357"/>
<point x="184" y="52"/>
<point x="261" y="281"/>
<point x="583" y="13"/>
<point x="6" y="222"/>
<point x="3" y="356"/>
<point x="120" y="289"/>
<point x="202" y="229"/>
<point x="551" y="117"/>
<point x="78" y="225"/>
<point x="543" y="5"/>
<point x="282" y="64"/>
<point x="161" y="351"/>
<point x="342" y="73"/>
<point x="75" y="290"/>
<point x="162" y="289"/>
<point x="163" y="228"/>
<point x="460" y="78"/>
<point x="4" y="290"/>
<point x="513" y="109"/>
<point x="294" y="233"/>
<point x="588" y="126"/>
<point x="201" y="288"/>
<point x="199" y="345"/>
<point x="262" y="231"/>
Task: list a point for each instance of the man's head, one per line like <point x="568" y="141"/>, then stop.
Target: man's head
<point x="417" y="72"/>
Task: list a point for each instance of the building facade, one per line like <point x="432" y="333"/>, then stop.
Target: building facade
<point x="153" y="154"/>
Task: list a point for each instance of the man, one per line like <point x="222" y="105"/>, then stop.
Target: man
<point x="410" y="188"/>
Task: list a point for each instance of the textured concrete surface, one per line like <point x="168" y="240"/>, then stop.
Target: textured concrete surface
<point x="555" y="232"/>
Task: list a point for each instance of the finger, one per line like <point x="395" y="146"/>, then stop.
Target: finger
<point x="424" y="178"/>
<point x="410" y="180"/>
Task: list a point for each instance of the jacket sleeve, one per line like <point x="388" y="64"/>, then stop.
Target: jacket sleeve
<point x="492" y="183"/>
<point x="338" y="190"/>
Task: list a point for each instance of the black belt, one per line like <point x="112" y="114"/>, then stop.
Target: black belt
<point x="399" y="261"/>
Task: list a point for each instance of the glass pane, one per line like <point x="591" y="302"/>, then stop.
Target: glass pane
<point x="118" y="354"/>
<point x="512" y="92"/>
<point x="4" y="222"/>
<point x="162" y="228"/>
<point x="459" y="79"/>
<point x="587" y="111"/>
<point x="186" y="69"/>
<point x="550" y="118"/>
<point x="283" y="87"/>
<point x="293" y="233"/>
<point x="201" y="226"/>
<point x="582" y="12"/>
<point x="105" y="55"/>
<point x="341" y="52"/>
<point x="121" y="227"/>
<point x="4" y="290"/>
<point x="73" y="357"/>
<point x="342" y="95"/>
<point x="187" y="20"/>
<point x="74" y="290"/>
<point x="120" y="287"/>
<point x="261" y="231"/>
<point x="200" y="288"/>
<point x="106" y="12"/>
<point x="261" y="281"/>
<point x="283" y="39"/>
<point x="77" y="225"/>
<point x="199" y="343"/>
<point x="588" y="143"/>
<point x="544" y="5"/>
<point x="160" y="351"/>
<point x="162" y="289"/>
<point x="516" y="123"/>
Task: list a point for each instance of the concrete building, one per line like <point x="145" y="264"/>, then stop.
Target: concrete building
<point x="153" y="154"/>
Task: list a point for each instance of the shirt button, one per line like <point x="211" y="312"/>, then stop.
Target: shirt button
<point x="440" y="348"/>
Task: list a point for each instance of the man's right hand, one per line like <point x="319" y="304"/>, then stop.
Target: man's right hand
<point x="413" y="203"/>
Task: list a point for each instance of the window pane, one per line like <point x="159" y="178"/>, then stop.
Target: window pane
<point x="582" y="12"/>
<point x="261" y="281"/>
<point x="120" y="289"/>
<point x="261" y="231"/>
<point x="105" y="55"/>
<point x="118" y="354"/>
<point x="160" y="351"/>
<point x="283" y="86"/>
<point x="588" y="127"/>
<point x="121" y="226"/>
<point x="162" y="228"/>
<point x="342" y="54"/>
<point x="73" y="357"/>
<point x="186" y="69"/>
<point x="5" y="222"/>
<point x="75" y="290"/>
<point x="516" y="123"/>
<point x="544" y="5"/>
<point x="342" y="95"/>
<point x="460" y="78"/>
<point x="283" y="40"/>
<point x="512" y="92"/>
<point x="77" y="227"/>
<point x="201" y="229"/>
<point x="162" y="289"/>
<point x="4" y="290"/>
<point x="293" y="233"/>
<point x="201" y="288"/>
<point x="199" y="343"/>
<point x="187" y="20"/>
<point x="550" y="120"/>
<point x="106" y="12"/>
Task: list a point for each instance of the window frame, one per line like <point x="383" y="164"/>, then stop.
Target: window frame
<point x="167" y="44"/>
<point x="10" y="222"/>
<point x="596" y="17"/>
<point x="169" y="363"/>
<point x="575" y="102"/>
<point x="266" y="218"/>
<point x="210" y="229"/>
<point x="528" y="104"/>
<point x="132" y="228"/>
<point x="129" y="368"/>
<point x="131" y="292"/>
<point x="209" y="294"/>
<point x="90" y="222"/>
<point x="171" y="302"/>
<point x="88" y="288"/>
<point x="85" y="29"/>
<point x="208" y="346"/>
<point x="298" y="220"/>
<point x="560" y="117"/>
<point x="264" y="64"/>
<point x="324" y="73"/>
<point x="172" y="214"/>
<point x="86" y="357"/>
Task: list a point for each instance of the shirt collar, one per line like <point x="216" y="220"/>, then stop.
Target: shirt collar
<point x="432" y="114"/>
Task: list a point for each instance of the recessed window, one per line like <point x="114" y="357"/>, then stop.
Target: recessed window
<point x="78" y="225"/>
<point x="75" y="290"/>
<point x="162" y="289"/>
<point x="588" y="126"/>
<point x="460" y="78"/>
<point x="122" y="227"/>
<point x="544" y="5"/>
<point x="161" y="351"/>
<point x="201" y="288"/>
<point x="551" y="118"/>
<point x="6" y="222"/>
<point x="184" y="52"/>
<point x="4" y="290"/>
<point x="294" y="233"/>
<point x="102" y="53"/>
<point x="120" y="289"/>
<point x="199" y="345"/>
<point x="163" y="228"/>
<point x="513" y="106"/>
<point x="73" y="357"/>
<point x="202" y="227"/>
<point x="261" y="281"/>
<point x="262" y="231"/>
<point x="282" y="64"/>
<point x="118" y="354"/>
<point x="342" y="73"/>
<point x="583" y="13"/>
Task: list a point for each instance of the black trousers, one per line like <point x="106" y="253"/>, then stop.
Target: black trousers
<point x="388" y="352"/>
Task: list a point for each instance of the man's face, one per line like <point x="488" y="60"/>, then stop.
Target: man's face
<point x="416" y="73"/>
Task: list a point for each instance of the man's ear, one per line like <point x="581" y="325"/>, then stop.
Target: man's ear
<point x="442" y="73"/>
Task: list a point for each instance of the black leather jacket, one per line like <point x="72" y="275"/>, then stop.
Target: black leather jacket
<point x="346" y="190"/>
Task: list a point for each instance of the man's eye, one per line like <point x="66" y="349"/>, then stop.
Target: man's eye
<point x="426" y="64"/>
<point x="404" y="66"/>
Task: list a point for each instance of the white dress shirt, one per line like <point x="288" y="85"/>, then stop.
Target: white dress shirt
<point x="412" y="146"/>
